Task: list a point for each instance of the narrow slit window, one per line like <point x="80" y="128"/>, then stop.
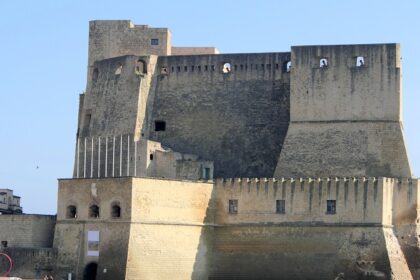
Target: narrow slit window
<point x="95" y="75"/>
<point x="88" y="118"/>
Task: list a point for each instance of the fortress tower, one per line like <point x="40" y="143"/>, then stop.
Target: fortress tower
<point x="345" y="113"/>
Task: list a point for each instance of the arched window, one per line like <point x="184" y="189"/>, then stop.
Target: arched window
<point x="360" y="61"/>
<point x="94" y="211"/>
<point x="115" y="210"/>
<point x="323" y="62"/>
<point x="71" y="212"/>
<point x="287" y="66"/>
<point x="226" y="68"/>
<point x="141" y="67"/>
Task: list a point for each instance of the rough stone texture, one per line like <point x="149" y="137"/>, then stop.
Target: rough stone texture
<point x="112" y="38"/>
<point x="238" y="119"/>
<point x="71" y="234"/>
<point x="28" y="262"/>
<point x="183" y="229"/>
<point x="406" y="201"/>
<point x="153" y="213"/>
<point x="343" y="149"/>
<point x="193" y="50"/>
<point x="27" y="230"/>
<point x="345" y="120"/>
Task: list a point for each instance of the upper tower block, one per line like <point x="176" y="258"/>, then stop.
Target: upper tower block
<point x="345" y="113"/>
<point x="112" y="38"/>
<point x="346" y="83"/>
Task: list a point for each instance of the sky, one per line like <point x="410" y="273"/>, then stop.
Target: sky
<point x="43" y="47"/>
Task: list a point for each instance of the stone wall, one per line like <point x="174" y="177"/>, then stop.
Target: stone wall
<point x="193" y="50"/>
<point x="113" y="38"/>
<point x="183" y="229"/>
<point x="30" y="262"/>
<point x="406" y="201"/>
<point x="237" y="119"/>
<point x="160" y="226"/>
<point x="27" y="230"/>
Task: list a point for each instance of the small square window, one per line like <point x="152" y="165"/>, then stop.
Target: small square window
<point x="154" y="42"/>
<point x="233" y="206"/>
<point x="331" y="207"/>
<point x="280" y="206"/>
<point x="160" y="126"/>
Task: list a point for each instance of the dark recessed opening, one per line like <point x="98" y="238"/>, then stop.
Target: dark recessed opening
<point x="71" y="212"/>
<point x="331" y="207"/>
<point x="160" y="126"/>
<point x="4" y="244"/>
<point x="116" y="211"/>
<point x="151" y="156"/>
<point x="94" y="211"/>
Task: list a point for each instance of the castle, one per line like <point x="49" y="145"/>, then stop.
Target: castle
<point x="190" y="164"/>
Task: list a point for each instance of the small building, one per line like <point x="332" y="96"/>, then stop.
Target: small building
<point x="9" y="203"/>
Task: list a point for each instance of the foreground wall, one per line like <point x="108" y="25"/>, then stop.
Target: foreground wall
<point x="170" y="237"/>
<point x="27" y="230"/>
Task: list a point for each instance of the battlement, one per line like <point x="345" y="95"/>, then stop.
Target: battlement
<point x="331" y="200"/>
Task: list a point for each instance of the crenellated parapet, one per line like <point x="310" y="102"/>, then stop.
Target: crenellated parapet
<point x="327" y="200"/>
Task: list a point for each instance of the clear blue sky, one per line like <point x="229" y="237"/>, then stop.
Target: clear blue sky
<point x="43" y="47"/>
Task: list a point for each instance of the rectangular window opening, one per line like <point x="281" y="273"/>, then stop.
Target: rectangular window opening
<point x="233" y="206"/>
<point x="154" y="42"/>
<point x="206" y="173"/>
<point x="160" y="125"/>
<point x="331" y="207"/>
<point x="280" y="206"/>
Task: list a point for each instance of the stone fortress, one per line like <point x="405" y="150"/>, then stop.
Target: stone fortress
<point x="190" y="164"/>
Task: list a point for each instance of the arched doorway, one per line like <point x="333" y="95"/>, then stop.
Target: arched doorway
<point x="90" y="271"/>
